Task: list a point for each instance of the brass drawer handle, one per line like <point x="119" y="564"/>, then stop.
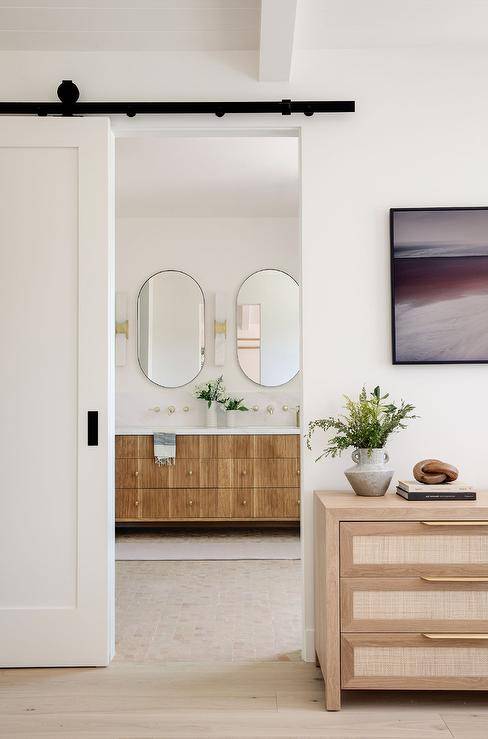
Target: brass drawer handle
<point x="190" y="472"/>
<point x="136" y="473"/>
<point x="244" y="502"/>
<point x="190" y="502"/>
<point x="137" y="502"/>
<point x="454" y="523"/>
<point x="456" y="636"/>
<point x="244" y="472"/>
<point x="428" y="578"/>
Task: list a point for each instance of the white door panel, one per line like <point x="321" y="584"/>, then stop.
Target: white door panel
<point x="56" y="325"/>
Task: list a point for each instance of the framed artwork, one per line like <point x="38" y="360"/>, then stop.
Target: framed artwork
<point x="439" y="282"/>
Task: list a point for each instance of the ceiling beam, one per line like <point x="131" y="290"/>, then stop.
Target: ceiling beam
<point x="276" y="44"/>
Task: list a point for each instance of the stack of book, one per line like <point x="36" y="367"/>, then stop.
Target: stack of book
<point x="412" y="490"/>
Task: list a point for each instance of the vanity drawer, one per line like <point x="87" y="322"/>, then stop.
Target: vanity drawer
<point x="418" y="661"/>
<point x="235" y="446"/>
<point x="152" y="475"/>
<point x="419" y="548"/>
<point x="188" y="503"/>
<point x="414" y="604"/>
<point x="154" y="504"/>
<point x="276" y="473"/>
<point x="126" y="473"/>
<point x="188" y="473"/>
<point x="242" y="473"/>
<point x="126" y="504"/>
<point x="242" y="502"/>
<point x="127" y="447"/>
<point x="277" y="446"/>
<point x="277" y="503"/>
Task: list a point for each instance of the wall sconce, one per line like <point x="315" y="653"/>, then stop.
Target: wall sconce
<point x="121" y="328"/>
<point x="220" y="329"/>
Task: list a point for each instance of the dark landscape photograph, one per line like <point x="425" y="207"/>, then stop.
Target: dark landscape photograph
<point x="440" y="285"/>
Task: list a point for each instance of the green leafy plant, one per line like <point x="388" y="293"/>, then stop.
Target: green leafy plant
<point x="366" y="424"/>
<point x="213" y="391"/>
<point x="234" y="404"/>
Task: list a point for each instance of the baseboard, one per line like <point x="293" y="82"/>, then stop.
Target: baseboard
<point x="308" y="651"/>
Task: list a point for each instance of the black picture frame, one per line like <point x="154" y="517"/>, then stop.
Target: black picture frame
<point x="394" y="342"/>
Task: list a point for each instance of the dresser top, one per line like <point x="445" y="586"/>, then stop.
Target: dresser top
<point x="393" y="506"/>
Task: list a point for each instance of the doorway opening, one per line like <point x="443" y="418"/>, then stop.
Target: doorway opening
<point x="208" y="257"/>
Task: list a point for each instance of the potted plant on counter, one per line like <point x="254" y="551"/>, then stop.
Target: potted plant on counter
<point x="365" y="426"/>
<point x="213" y="393"/>
<point x="233" y="407"/>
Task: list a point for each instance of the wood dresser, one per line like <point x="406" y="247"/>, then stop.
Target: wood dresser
<point x="401" y="594"/>
<point x="243" y="477"/>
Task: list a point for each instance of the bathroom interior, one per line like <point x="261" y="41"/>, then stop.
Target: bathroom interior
<point x="208" y="493"/>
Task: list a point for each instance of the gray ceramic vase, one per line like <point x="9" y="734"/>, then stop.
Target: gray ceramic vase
<point x="370" y="476"/>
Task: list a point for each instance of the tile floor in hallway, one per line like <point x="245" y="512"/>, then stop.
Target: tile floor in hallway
<point x="208" y="611"/>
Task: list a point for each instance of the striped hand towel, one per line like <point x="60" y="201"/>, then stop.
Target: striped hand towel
<point x="164" y="448"/>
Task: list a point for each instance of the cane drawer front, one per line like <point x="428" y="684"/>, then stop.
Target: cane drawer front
<point x="423" y="661"/>
<point x="442" y="548"/>
<point x="412" y="604"/>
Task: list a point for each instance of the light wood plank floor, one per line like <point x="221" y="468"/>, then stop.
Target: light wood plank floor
<point x="193" y="700"/>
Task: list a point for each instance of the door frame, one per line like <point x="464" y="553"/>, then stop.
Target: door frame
<point x="198" y="127"/>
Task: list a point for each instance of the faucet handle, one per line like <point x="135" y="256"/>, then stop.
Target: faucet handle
<point x="171" y="409"/>
<point x="270" y="409"/>
<point x="156" y="409"/>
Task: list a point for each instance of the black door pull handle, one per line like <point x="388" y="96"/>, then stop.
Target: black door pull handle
<point x="92" y="428"/>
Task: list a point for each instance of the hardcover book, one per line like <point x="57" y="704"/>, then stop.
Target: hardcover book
<point x="448" y="495"/>
<point x="412" y="486"/>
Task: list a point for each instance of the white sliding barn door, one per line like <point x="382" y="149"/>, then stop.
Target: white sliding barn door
<point x="56" y="333"/>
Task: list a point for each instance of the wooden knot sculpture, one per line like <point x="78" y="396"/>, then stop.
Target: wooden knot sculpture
<point x="434" y="472"/>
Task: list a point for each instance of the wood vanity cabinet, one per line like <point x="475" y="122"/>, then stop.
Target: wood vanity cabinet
<point x="401" y="594"/>
<point x="215" y="477"/>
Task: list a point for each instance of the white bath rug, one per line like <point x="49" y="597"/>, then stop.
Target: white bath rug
<point x="164" y="544"/>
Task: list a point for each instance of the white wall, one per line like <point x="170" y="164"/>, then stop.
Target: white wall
<point x="419" y="137"/>
<point x="219" y="253"/>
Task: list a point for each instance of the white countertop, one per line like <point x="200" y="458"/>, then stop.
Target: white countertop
<point x="219" y="430"/>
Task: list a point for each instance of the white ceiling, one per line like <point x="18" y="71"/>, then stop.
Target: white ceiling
<point x="169" y="25"/>
<point x="111" y="25"/>
<point x="160" y="177"/>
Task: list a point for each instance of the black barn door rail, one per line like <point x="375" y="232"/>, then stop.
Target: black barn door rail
<point x="68" y="94"/>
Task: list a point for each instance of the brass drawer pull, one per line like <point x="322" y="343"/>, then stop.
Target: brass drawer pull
<point x="456" y="636"/>
<point x="454" y="523"/>
<point x="137" y="502"/>
<point x="244" y="472"/>
<point x="190" y="502"/>
<point x="244" y="502"/>
<point x="190" y="472"/>
<point x="428" y="578"/>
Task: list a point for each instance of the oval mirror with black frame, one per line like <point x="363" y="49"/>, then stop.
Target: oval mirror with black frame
<point x="171" y="328"/>
<point x="268" y="327"/>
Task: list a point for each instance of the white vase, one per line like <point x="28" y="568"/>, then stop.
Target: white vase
<point x="231" y="418"/>
<point x="212" y="419"/>
<point x="370" y="476"/>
